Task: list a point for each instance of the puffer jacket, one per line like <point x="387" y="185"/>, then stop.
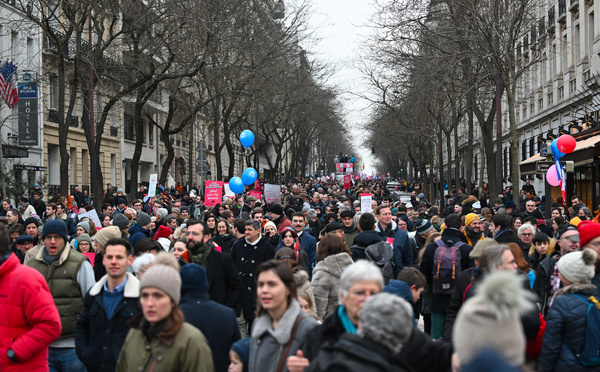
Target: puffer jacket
<point x="303" y="285"/>
<point x="29" y="320"/>
<point x="326" y="276"/>
<point x="565" y="330"/>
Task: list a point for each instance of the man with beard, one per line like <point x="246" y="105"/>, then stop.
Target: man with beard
<point x="224" y="282"/>
<point x="473" y="229"/>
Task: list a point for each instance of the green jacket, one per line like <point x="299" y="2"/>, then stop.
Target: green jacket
<point x="349" y="235"/>
<point x="187" y="351"/>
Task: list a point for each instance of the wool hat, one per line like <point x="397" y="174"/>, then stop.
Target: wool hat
<point x="164" y="275"/>
<point x="242" y="349"/>
<point x="31" y="220"/>
<point x="588" y="230"/>
<point x="331" y="215"/>
<point x="85" y="238"/>
<point x="121" y="201"/>
<point x="85" y="225"/>
<point x="57" y="227"/>
<point x="142" y="219"/>
<point x="23" y="238"/>
<point x="277" y="209"/>
<point x="510" y="204"/>
<point x="270" y="223"/>
<point x="480" y="246"/>
<point x="163" y="232"/>
<point x="106" y="234"/>
<point x="176" y="210"/>
<point x="334" y="225"/>
<point x="305" y="208"/>
<point x="421" y="196"/>
<point x="578" y="267"/>
<point x="470" y="217"/>
<point x="491" y="319"/>
<point x="193" y="279"/>
<point x="120" y="220"/>
<point x="423" y="226"/>
<point x="394" y="211"/>
<point x="184" y="208"/>
<point x="347" y="213"/>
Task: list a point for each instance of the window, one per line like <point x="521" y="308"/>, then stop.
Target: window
<point x="540" y="104"/>
<point x="591" y="34"/>
<point x="563" y="53"/>
<point x="573" y="86"/>
<point x="577" y="42"/>
<point x="129" y="130"/>
<point x="53" y="92"/>
<point x="532" y="108"/>
<point x="561" y="92"/>
<point x="150" y="133"/>
<point x="550" y="98"/>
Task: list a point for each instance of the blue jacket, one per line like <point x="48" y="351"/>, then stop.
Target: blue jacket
<point x="403" y="256"/>
<point x="565" y="330"/>
<point x="136" y="233"/>
<point x="217" y="322"/>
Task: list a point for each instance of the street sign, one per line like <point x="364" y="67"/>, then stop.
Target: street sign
<point x="14" y="151"/>
<point x="542" y="167"/>
<point x="30" y="167"/>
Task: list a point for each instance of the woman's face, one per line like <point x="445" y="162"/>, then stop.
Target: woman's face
<point x="222" y="227"/>
<point x="358" y="293"/>
<point x="271" y="291"/>
<point x="270" y="230"/>
<point x="554" y="225"/>
<point x="304" y="305"/>
<point x="211" y="223"/>
<point x="178" y="249"/>
<point x="80" y="230"/>
<point x="288" y="239"/>
<point x="106" y="221"/>
<point x="156" y="304"/>
<point x="541" y="248"/>
<point x="221" y="210"/>
<point x="518" y="223"/>
<point x="84" y="247"/>
<point x="555" y="213"/>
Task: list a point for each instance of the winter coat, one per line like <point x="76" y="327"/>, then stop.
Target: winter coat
<point x="440" y="302"/>
<point x="349" y="234"/>
<point x="326" y="277"/>
<point x="354" y="353"/>
<point x="283" y="223"/>
<point x="136" y="233"/>
<point x="535" y="258"/>
<point x="303" y="285"/>
<point x="507" y="236"/>
<point x="309" y="244"/>
<point x="247" y="257"/>
<point x="541" y="286"/>
<point x="565" y="330"/>
<point x="98" y="340"/>
<point x="402" y="250"/>
<point x="188" y="351"/>
<point x="268" y="344"/>
<point x="362" y="241"/>
<point x="224" y="282"/>
<point x="225" y="242"/>
<point x="216" y="322"/>
<point x="29" y="320"/>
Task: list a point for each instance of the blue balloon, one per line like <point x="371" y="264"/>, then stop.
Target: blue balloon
<point x="236" y="185"/>
<point x="247" y="138"/>
<point x="555" y="151"/>
<point x="249" y="176"/>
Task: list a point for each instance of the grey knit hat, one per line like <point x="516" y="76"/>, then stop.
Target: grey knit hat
<point x="85" y="225"/>
<point x="120" y="220"/>
<point x="578" y="267"/>
<point x="142" y="219"/>
<point x="164" y="275"/>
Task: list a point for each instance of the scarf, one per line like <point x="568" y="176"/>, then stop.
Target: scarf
<point x="348" y="326"/>
<point x="200" y="255"/>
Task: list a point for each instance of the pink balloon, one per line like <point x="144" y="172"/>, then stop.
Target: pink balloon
<point x="552" y="177"/>
<point x="566" y="143"/>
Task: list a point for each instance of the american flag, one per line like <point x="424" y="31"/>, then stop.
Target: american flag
<point x="7" y="88"/>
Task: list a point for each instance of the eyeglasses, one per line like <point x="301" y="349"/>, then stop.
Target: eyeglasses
<point x="362" y="293"/>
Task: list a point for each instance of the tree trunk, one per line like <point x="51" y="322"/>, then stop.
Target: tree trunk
<point x="138" y="124"/>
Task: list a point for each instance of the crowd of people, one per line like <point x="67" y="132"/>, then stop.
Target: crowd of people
<point x="315" y="282"/>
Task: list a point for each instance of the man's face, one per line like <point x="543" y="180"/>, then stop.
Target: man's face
<point x="177" y="205"/>
<point x="258" y="216"/>
<point x="24" y="247"/>
<point x="476" y="225"/>
<point x="31" y="230"/>
<point x="373" y="204"/>
<point x="385" y="216"/>
<point x="116" y="260"/>
<point x="239" y="201"/>
<point x="457" y="208"/>
<point x="315" y="198"/>
<point x="36" y="197"/>
<point x="251" y="233"/>
<point x="385" y="202"/>
<point x="324" y="198"/>
<point x="137" y="206"/>
<point x="59" y="210"/>
<point x="11" y="217"/>
<point x="575" y="201"/>
<point x="173" y="224"/>
<point x="155" y="207"/>
<point x="357" y="294"/>
<point x="569" y="242"/>
<point x="530" y="206"/>
<point x="252" y="203"/>
<point x="108" y="210"/>
<point x="508" y="262"/>
<point x="185" y="214"/>
<point x="195" y="236"/>
<point x="198" y="200"/>
<point x="347" y="221"/>
<point x="54" y="244"/>
<point x="49" y="212"/>
<point x="5" y="205"/>
<point x="526" y="236"/>
<point x="297" y="223"/>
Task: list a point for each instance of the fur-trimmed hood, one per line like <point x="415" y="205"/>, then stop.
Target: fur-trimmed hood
<point x="586" y="289"/>
<point x="132" y="287"/>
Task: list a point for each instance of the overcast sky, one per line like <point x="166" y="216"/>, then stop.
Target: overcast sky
<point x="341" y="27"/>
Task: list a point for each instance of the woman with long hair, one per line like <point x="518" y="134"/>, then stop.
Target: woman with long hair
<point x="289" y="239"/>
<point x="159" y="339"/>
<point x="211" y="221"/>
<point x="281" y="326"/>
<point x="224" y="237"/>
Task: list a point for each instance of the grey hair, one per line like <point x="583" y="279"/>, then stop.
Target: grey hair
<point x="492" y="257"/>
<point x="254" y="223"/>
<point x="162" y="212"/>
<point x="362" y="270"/>
<point x="525" y="226"/>
<point x="387" y="320"/>
<point x="311" y="214"/>
<point x="141" y="261"/>
<point x="356" y="203"/>
<point x="344" y="207"/>
<point x="169" y="218"/>
<point x="586" y="211"/>
<point x="357" y="217"/>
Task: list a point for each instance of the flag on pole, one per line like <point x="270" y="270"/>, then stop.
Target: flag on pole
<point x="8" y="90"/>
<point x="563" y="181"/>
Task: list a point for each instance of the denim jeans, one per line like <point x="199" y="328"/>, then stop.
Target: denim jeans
<point x="64" y="360"/>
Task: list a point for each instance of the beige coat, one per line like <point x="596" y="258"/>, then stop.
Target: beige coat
<point x="326" y="277"/>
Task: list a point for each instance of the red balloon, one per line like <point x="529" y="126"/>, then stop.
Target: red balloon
<point x="566" y="143"/>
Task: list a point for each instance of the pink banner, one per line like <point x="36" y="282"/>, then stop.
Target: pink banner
<point x="213" y="193"/>
<point x="256" y="194"/>
<point x="257" y="186"/>
<point x="347" y="181"/>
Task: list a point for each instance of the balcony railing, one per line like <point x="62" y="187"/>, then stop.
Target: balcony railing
<point x="551" y="17"/>
<point x="562" y="8"/>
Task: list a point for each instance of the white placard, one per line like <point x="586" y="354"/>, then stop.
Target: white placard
<point x="152" y="186"/>
<point x="228" y="192"/>
<point x="92" y="215"/>
<point x="272" y="193"/>
<point x="365" y="203"/>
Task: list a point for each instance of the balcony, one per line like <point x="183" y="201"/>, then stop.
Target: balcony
<point x="53" y="118"/>
<point x="574" y="6"/>
<point x="551" y="19"/>
<point x="562" y="11"/>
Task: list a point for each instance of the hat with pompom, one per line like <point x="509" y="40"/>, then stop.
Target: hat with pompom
<point x="578" y="267"/>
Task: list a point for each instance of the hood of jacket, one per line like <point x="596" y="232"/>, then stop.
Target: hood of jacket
<point x="452" y="234"/>
<point x="135" y="229"/>
<point x="194" y="281"/>
<point x="366" y="238"/>
<point x="334" y="264"/>
<point x="399" y="288"/>
<point x="300" y="277"/>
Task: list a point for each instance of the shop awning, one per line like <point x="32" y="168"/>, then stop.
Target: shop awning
<point x="585" y="152"/>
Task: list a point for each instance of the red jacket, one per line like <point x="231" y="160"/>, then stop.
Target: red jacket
<point x="29" y="320"/>
<point x="285" y="222"/>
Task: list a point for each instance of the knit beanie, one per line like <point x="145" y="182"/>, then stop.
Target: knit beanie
<point x="106" y="234"/>
<point x="184" y="208"/>
<point x="277" y="209"/>
<point x="85" y="238"/>
<point x="470" y="218"/>
<point x="270" y="223"/>
<point x="85" y="225"/>
<point x="193" y="279"/>
<point x="491" y="319"/>
<point x="57" y="227"/>
<point x="120" y="220"/>
<point x="242" y="349"/>
<point x="578" y="267"/>
<point x="142" y="219"/>
<point x="31" y="220"/>
<point x="423" y="227"/>
<point x="163" y="232"/>
<point x="164" y="275"/>
<point x="588" y="230"/>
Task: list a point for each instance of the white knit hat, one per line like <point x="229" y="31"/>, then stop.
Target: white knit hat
<point x="578" y="267"/>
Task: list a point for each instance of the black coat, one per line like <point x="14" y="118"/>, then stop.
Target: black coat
<point x="224" y="282"/>
<point x="217" y="322"/>
<point x="247" y="257"/>
<point x="225" y="242"/>
<point x="362" y="241"/>
<point x="507" y="236"/>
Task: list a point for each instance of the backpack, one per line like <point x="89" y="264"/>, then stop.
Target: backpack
<point x="381" y="254"/>
<point x="590" y="355"/>
<point x="446" y="266"/>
